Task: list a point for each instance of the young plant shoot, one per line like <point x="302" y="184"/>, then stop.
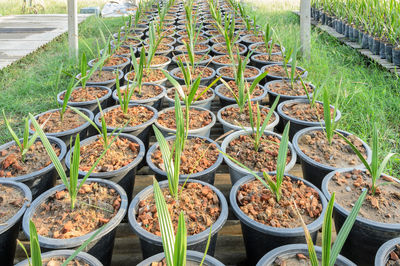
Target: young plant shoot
<point x="375" y="168"/>
<point x="26" y="141"/>
<point x="329" y="120"/>
<point x="71" y="184"/>
<point x="329" y="252"/>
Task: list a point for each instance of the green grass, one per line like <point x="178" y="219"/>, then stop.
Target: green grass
<point x="368" y="93"/>
<point x="28" y="85"/>
<point x="15" y="7"/>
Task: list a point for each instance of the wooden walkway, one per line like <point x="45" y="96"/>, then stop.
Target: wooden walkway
<point x="21" y="35"/>
<point x="355" y="45"/>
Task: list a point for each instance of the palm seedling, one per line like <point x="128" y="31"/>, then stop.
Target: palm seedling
<point x="71" y="184"/>
<point x="329" y="119"/>
<point x="26" y="141"/>
<point x="331" y="252"/>
<point x="175" y="245"/>
<point x="374" y="168"/>
<point x="290" y="55"/>
<point x="36" y="255"/>
<point x="266" y="180"/>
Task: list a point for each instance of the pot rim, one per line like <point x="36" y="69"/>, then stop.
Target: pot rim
<point x="382" y="255"/>
<point x="291" y="97"/>
<point x="190" y="256"/>
<point x="74" y="104"/>
<point x="223" y="97"/>
<point x="143" y="101"/>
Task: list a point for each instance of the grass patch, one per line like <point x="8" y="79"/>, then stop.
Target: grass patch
<point x="28" y="85"/>
<point x="368" y="92"/>
<point x="15" y="7"/>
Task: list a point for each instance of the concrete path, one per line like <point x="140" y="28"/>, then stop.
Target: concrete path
<point x="20" y="35"/>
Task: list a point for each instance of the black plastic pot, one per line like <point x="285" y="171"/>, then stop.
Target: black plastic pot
<point x="66" y="135"/>
<point x="260" y="238"/>
<point x="191" y="256"/>
<point x="101" y="247"/>
<point x="370" y="233"/>
<point x="294" y="249"/>
<point x="314" y="171"/>
<point x="205" y="61"/>
<point x="171" y="43"/>
<point x="155" y="102"/>
<point x="389" y="52"/>
<point x="269" y="77"/>
<point x="152" y="244"/>
<point x="107" y="83"/>
<point x="205" y="81"/>
<point x="207" y="175"/>
<point x="260" y="63"/>
<point x="122" y="66"/>
<point x="356" y="34"/>
<point x="9" y="229"/>
<point x="296" y="124"/>
<point x="396" y="56"/>
<point x="215" y="52"/>
<point x="205" y="41"/>
<point x="383" y="254"/>
<point x="44" y="179"/>
<point x="371" y="44"/>
<point x="124" y="176"/>
<point x="206" y="103"/>
<point x="376" y="46"/>
<point x="90" y="105"/>
<point x="227" y="78"/>
<point x="272" y="95"/>
<point x="182" y="49"/>
<point x="364" y="41"/>
<point x="227" y="100"/>
<point x="166" y="53"/>
<point x="246" y="40"/>
<point x="161" y="82"/>
<point x="141" y="131"/>
<point x="65" y="253"/>
<point x="382" y="50"/>
<point x="254" y="45"/>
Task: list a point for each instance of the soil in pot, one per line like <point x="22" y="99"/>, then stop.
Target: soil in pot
<point x="55" y="219"/>
<point x="85" y="94"/>
<point x="303" y="111"/>
<point x="253" y="38"/>
<point x="267" y="58"/>
<point x="197" y="118"/>
<point x="298" y="259"/>
<point x="11" y="201"/>
<point x="131" y="42"/>
<point x="149" y="75"/>
<point x="394" y="257"/>
<point x="206" y="95"/>
<point x="249" y="72"/>
<point x="339" y="155"/>
<point x="199" y="71"/>
<point x="226" y="60"/>
<point x="54" y="123"/>
<point x="148" y="91"/>
<point x="157" y="60"/>
<point x="279" y="71"/>
<point x="58" y="261"/>
<point x="164" y="41"/>
<point x="160" y="48"/>
<point x="197" y="58"/>
<point x="12" y="165"/>
<point x="198" y="155"/>
<point x="257" y="92"/>
<point x="383" y="207"/>
<point x="121" y="153"/>
<point x="197" y="48"/>
<point x="261" y="48"/>
<point x="198" y="202"/>
<point x="233" y="116"/>
<point x="284" y="87"/>
<point x="221" y="48"/>
<point x="263" y="160"/>
<point x="260" y="204"/>
<point x="200" y="39"/>
<point x="101" y="76"/>
<point x="122" y="51"/>
<point x="136" y="115"/>
<point x="113" y="61"/>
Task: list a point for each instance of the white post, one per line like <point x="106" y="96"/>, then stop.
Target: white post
<point x="305" y="28"/>
<point x="73" y="28"/>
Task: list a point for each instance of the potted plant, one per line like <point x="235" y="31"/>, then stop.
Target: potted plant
<point x="77" y="208"/>
<point x="321" y="150"/>
<point x="25" y="160"/>
<point x="228" y="73"/>
<point x="256" y="149"/>
<point x="263" y="204"/>
<point x="16" y="198"/>
<point x="379" y="216"/>
<point x="85" y="96"/>
<point x="303" y="113"/>
<point x="124" y="153"/>
<point x="327" y="254"/>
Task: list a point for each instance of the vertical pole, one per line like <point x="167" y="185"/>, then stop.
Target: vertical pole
<point x="305" y="28"/>
<point x="73" y="28"/>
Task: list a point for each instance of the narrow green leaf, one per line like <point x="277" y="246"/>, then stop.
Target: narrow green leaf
<point x="327" y="117"/>
<point x="282" y="155"/>
<point x="36" y="255"/>
<point x="327" y="232"/>
<point x="180" y="242"/>
<point x="13" y="135"/>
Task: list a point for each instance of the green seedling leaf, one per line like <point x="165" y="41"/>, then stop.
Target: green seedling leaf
<point x="180" y="242"/>
<point x="36" y="255"/>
